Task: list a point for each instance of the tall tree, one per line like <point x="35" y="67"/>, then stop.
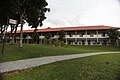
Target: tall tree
<point x="35" y="37"/>
<point x="61" y="35"/>
<point x="30" y="11"/>
<point x="114" y="36"/>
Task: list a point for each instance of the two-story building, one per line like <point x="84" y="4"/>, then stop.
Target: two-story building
<point x="80" y="35"/>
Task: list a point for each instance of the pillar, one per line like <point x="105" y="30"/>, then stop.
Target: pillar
<point x="86" y="41"/>
<point x="75" y="36"/>
<point x="97" y="35"/>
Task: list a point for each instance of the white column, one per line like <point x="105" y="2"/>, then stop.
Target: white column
<point x="66" y="37"/>
<point x="75" y="36"/>
<point x="97" y="35"/>
<point x="86" y="42"/>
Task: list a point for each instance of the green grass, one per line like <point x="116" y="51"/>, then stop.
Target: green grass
<point x="100" y="67"/>
<point x="13" y="52"/>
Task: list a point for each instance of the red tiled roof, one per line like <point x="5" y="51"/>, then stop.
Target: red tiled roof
<point x="72" y="29"/>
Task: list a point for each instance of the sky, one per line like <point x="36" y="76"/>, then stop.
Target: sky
<point x="69" y="13"/>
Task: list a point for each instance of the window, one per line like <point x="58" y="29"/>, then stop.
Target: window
<point x="52" y="35"/>
<point x="88" y="33"/>
<point x="109" y="43"/>
<point x="88" y="42"/>
<point x="81" y="35"/>
<point x="83" y="42"/>
<point x="76" y="43"/>
<point x="94" y="43"/>
<point x="103" y="34"/>
<point x="91" y="35"/>
<point x="79" y="43"/>
<point x="70" y="35"/>
<point x="98" y="43"/>
<point x="104" y="42"/>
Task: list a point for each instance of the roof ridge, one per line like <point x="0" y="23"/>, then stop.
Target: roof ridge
<point x="98" y="27"/>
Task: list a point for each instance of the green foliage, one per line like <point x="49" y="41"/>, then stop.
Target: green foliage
<point x="61" y="35"/>
<point x="59" y="43"/>
<point x="113" y="35"/>
<point x="25" y="35"/>
<point x="45" y="41"/>
<point x="48" y="37"/>
<point x="56" y="43"/>
<point x="32" y="11"/>
<point x="35" y="37"/>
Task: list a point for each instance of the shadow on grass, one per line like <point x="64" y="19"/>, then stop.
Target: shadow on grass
<point x="118" y="77"/>
<point x="1" y="77"/>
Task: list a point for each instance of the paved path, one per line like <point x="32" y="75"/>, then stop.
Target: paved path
<point x="28" y="63"/>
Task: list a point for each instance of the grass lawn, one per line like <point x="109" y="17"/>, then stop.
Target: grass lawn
<point x="100" y="67"/>
<point x="13" y="52"/>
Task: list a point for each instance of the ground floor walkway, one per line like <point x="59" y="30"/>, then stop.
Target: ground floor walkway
<point x="28" y="63"/>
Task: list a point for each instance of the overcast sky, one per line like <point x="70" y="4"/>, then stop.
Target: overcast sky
<point x="82" y="12"/>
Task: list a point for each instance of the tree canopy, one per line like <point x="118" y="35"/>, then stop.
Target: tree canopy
<point x="113" y="35"/>
<point x="32" y="11"/>
<point x="61" y="34"/>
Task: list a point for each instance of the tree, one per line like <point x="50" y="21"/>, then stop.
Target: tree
<point x="3" y="17"/>
<point x="61" y="35"/>
<point x="30" y="11"/>
<point x="35" y="37"/>
<point x="48" y="36"/>
<point x="33" y="11"/>
<point x="12" y="32"/>
<point x="114" y="36"/>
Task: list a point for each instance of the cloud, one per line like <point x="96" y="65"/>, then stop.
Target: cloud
<point x="83" y="12"/>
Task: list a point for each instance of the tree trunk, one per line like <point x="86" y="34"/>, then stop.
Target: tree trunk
<point x="1" y="37"/>
<point x="21" y="35"/>
<point x="3" y="41"/>
<point x="12" y="40"/>
<point x="21" y="30"/>
<point x="117" y="43"/>
<point x="13" y="34"/>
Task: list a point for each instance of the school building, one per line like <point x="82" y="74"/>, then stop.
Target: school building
<point x="80" y="35"/>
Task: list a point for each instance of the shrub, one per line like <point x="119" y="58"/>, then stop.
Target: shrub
<point x="45" y="41"/>
<point x="59" y="43"/>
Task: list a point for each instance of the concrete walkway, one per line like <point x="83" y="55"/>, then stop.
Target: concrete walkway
<point x="28" y="63"/>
